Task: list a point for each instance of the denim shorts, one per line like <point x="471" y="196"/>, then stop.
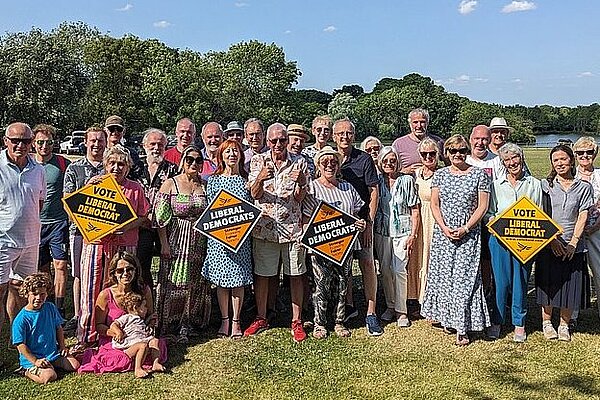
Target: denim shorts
<point x="54" y="242"/>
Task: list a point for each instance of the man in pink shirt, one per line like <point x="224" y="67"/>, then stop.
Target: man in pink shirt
<point x="185" y="131"/>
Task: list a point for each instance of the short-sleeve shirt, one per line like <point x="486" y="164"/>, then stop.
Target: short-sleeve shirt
<point x="20" y="194"/>
<point x="36" y="329"/>
<point x="173" y="155"/>
<point x="281" y="218"/>
<point x="359" y="169"/>
<point x="208" y="167"/>
<point x="393" y="218"/>
<point x="567" y="205"/>
<point x="53" y="210"/>
<point x="343" y="197"/>
<point x="503" y="194"/>
<point x="78" y="173"/>
<point x="165" y="170"/>
<point x="407" y="149"/>
<point x="249" y="153"/>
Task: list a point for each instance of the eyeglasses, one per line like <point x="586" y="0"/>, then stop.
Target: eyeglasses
<point x="373" y="149"/>
<point x="121" y="271"/>
<point x="254" y="133"/>
<point x="390" y="161"/>
<point x="16" y="141"/>
<point x="346" y="133"/>
<point x="425" y="154"/>
<point x="586" y="152"/>
<point x="462" y="150"/>
<point x="278" y="140"/>
<point x="333" y="162"/>
<point x="191" y="160"/>
<point x="48" y="142"/>
<point x="115" y="128"/>
<point x="321" y="129"/>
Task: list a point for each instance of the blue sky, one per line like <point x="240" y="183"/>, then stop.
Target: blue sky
<point x="499" y="51"/>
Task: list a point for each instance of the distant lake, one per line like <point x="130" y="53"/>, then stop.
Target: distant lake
<point x="551" y="140"/>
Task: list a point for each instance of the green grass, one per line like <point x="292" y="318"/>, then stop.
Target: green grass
<point x="416" y="363"/>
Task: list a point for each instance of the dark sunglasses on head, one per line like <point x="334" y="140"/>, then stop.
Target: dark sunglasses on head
<point x="190" y="160"/>
<point x="19" y="140"/>
<point x="462" y="150"/>
<point x="121" y="271"/>
<point x="586" y="152"/>
<point x="40" y="142"/>
<point x="279" y="140"/>
<point x="115" y="128"/>
<point x="426" y="154"/>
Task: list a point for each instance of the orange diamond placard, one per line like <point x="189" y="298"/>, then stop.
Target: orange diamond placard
<point x="228" y="220"/>
<point x="524" y="228"/>
<point x="330" y="233"/>
<point x="99" y="209"/>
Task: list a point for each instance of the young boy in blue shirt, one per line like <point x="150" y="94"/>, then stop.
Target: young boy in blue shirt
<point x="37" y="333"/>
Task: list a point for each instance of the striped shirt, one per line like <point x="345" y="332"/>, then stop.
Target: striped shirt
<point x="343" y="197"/>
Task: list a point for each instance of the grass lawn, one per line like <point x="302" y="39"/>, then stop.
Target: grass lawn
<point x="416" y="363"/>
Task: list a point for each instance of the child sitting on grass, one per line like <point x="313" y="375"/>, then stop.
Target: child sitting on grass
<point x="134" y="336"/>
<point x="37" y="333"/>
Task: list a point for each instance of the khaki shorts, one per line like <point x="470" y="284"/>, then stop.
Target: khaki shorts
<point x="16" y="263"/>
<point x="269" y="255"/>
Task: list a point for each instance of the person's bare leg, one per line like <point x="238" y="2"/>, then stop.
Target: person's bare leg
<point x="297" y="294"/>
<point x="223" y="298"/>
<point x="367" y="268"/>
<point x="44" y="375"/>
<point x="76" y="295"/>
<point x="546" y="313"/>
<point x="565" y="316"/>
<point x="60" y="278"/>
<point x="138" y="352"/>
<point x="261" y="293"/>
<point x="14" y="302"/>
<point x="237" y="298"/>
<point x="154" y="349"/>
<point x="67" y="364"/>
<point x="273" y="292"/>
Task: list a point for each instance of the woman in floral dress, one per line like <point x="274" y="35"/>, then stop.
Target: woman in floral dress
<point x="459" y="199"/>
<point x="183" y="295"/>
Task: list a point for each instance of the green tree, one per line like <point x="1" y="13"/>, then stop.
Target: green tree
<point x="342" y="106"/>
<point x="353" y="90"/>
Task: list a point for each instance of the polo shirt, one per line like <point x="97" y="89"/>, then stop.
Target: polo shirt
<point x="359" y="169"/>
<point x="53" y="210"/>
<point x="407" y="149"/>
<point x="20" y="194"/>
<point x="173" y="155"/>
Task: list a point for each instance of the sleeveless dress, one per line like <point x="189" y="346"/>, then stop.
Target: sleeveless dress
<point x="425" y="234"/>
<point x="223" y="267"/>
<point x="109" y="359"/>
<point x="183" y="295"/>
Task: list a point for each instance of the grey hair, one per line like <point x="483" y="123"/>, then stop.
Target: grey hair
<point x="511" y="148"/>
<point x="384" y="153"/>
<point x="344" y="120"/>
<point x="150" y="131"/>
<point x="428" y="142"/>
<point x="206" y="125"/>
<point x="118" y="150"/>
<point x="254" y="121"/>
<point x="276" y="125"/>
<point x="368" y="139"/>
<point x="418" y="111"/>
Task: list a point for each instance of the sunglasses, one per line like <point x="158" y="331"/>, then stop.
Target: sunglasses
<point x="279" y="140"/>
<point x="121" y="271"/>
<point x="40" y="142"/>
<point x="390" y="161"/>
<point x="16" y="141"/>
<point x="462" y="150"/>
<point x="586" y="152"/>
<point x="372" y="149"/>
<point x="425" y="154"/>
<point x="115" y="128"/>
<point x="332" y="162"/>
<point x="191" y="160"/>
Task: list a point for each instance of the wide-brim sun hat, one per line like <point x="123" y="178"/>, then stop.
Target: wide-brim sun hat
<point x="328" y="151"/>
<point x="297" y="130"/>
<point x="499" y="123"/>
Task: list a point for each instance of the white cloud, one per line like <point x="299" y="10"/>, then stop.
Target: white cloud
<point x="482" y="80"/>
<point x="467" y="6"/>
<point x="330" y="28"/>
<point x="162" y="24"/>
<point x="287" y="32"/>
<point x="517" y="80"/>
<point x="516" y="6"/>
<point x="241" y="4"/>
<point x="127" y="7"/>
<point x="462" y="79"/>
<point x="585" y="74"/>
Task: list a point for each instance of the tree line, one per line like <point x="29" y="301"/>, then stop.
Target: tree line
<point x="73" y="76"/>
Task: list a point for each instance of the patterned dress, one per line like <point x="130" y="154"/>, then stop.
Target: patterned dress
<point x="223" y="267"/>
<point x="183" y="295"/>
<point x="454" y="293"/>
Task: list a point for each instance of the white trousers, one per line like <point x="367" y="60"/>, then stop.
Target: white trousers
<point x="393" y="259"/>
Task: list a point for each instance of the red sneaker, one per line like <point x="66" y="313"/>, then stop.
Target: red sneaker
<point x="256" y="327"/>
<point x="298" y="331"/>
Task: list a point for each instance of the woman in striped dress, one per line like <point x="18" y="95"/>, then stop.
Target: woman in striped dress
<point x="183" y="295"/>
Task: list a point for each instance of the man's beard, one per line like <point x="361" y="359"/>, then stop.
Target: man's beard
<point x="152" y="159"/>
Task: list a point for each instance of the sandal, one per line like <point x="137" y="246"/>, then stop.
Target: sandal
<point x="462" y="340"/>
<point x="342" y="331"/>
<point x="220" y="333"/>
<point x="238" y="335"/>
<point x="319" y="332"/>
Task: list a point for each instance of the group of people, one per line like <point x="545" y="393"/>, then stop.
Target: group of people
<point x="420" y="206"/>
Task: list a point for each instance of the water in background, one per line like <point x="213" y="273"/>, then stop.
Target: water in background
<point x="552" y="140"/>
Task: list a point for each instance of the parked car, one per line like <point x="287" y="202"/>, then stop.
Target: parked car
<point x="71" y="144"/>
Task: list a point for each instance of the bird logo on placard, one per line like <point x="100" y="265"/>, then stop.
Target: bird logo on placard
<point x="522" y="247"/>
<point x="92" y="228"/>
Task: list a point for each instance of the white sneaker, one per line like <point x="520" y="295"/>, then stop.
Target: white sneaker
<point x="403" y="322"/>
<point x="388" y="315"/>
